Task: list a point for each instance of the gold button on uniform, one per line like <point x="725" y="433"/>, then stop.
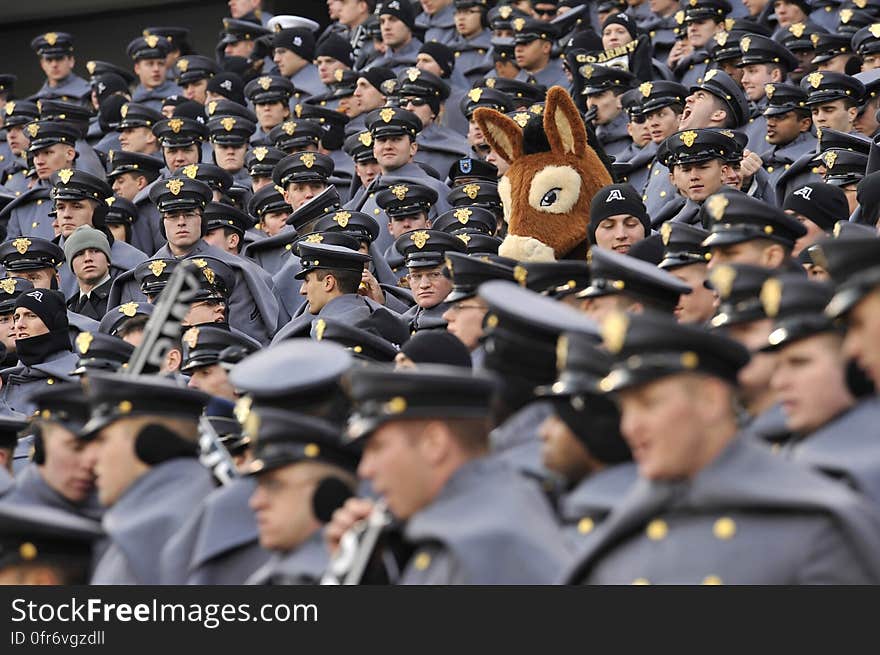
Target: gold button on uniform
<point x="376" y="211"/>
<point x="422" y="561"/>
<point x="724" y="528"/>
<point x="662" y="194"/>
<point x="585" y="525"/>
<point x="657" y="530"/>
<point x="50" y="381"/>
<point x="712" y="580"/>
<point x="769" y="169"/>
<point x="641" y="582"/>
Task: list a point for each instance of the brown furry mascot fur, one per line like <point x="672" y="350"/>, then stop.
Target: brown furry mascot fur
<point x="552" y="178"/>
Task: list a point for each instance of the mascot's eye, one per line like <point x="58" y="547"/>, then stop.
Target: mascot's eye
<point x="550" y="197"/>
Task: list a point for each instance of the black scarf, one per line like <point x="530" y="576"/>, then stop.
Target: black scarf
<point x="35" y="350"/>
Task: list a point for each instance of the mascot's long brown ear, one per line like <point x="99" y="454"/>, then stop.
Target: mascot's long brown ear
<point x="501" y="132"/>
<point x="563" y="124"/>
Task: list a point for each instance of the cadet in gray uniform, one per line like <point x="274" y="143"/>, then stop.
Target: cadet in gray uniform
<point x="710" y="507"/>
<point x="603" y="87"/>
<point x="79" y="199"/>
<point x="55" y="50"/>
<point x="424" y="253"/>
<point x="440" y="25"/>
<point x="34" y="264"/>
<point x="833" y="430"/>
<point x="253" y="308"/>
<point x="294" y="417"/>
<point x="394" y="145"/>
<point x="331" y="280"/>
<point x="425" y="95"/>
<point x="43" y="347"/>
<point x="534" y="52"/>
<point x="456" y="509"/>
<point x="581" y="438"/>
<point x="401" y="47"/>
<point x="294" y="52"/>
<point x="789" y="127"/>
<point x="148" y="54"/>
<point x="143" y="434"/>
<point x="129" y="173"/>
<point x="52" y="148"/>
<point x="60" y="474"/>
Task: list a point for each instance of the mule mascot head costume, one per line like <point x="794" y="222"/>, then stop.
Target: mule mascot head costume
<point x="553" y="176"/>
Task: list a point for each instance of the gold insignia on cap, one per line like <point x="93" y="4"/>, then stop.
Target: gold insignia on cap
<point x="657" y="530"/>
<point x="8" y="285"/>
<point x="65" y="174"/>
<point x="504" y="11"/>
<point x="228" y="123"/>
<point x="475" y="94"/>
<point x="191" y="337"/>
<point x="320" y="326"/>
<point x="722" y="278"/>
<point x="128" y="309"/>
<point x="396" y="405"/>
<point x="710" y="74"/>
<point x="83" y="341"/>
<point x="265" y="82"/>
<point x="311" y="450"/>
<point x="152" y="40"/>
<point x="386" y="114"/>
<point x="692" y="3"/>
<point x="175" y="124"/>
<point x="815" y="79"/>
<point x="861" y="4"/>
<point x="721" y="38"/>
<point x="51" y="38"/>
<point x="191" y="171"/>
<point x="110" y="200"/>
<point x="471" y="190"/>
<point x="399" y="191"/>
<point x="614" y="331"/>
<point x="645" y="88"/>
<point x="814" y="37"/>
<point x="298" y="110"/>
<point x="769" y="90"/>
<point x="124" y="111"/>
<point x="315" y="238"/>
<point x="201" y="263"/>
<point x="10" y="107"/>
<point x="745" y="44"/>
<point x="666" y="232"/>
<point x="771" y="296"/>
<point x="679" y="17"/>
<point x="212" y="107"/>
<point x="338" y="74"/>
<point x="465" y="238"/>
<point x="724" y="528"/>
<point x="21" y="245"/>
<point x="716" y="205"/>
<point x="91" y="66"/>
<point x="874" y="29"/>
<point x="420" y="238"/>
<point x="242" y="408"/>
<point x="27" y="551"/>
<point x="797" y="29"/>
<point x="829" y="158"/>
<point x="521" y="118"/>
<point x="289" y="127"/>
<point x="341" y="218"/>
<point x="260" y="153"/>
<point x="209" y="274"/>
<point x="40" y="106"/>
<point x="157" y="267"/>
<point x="174" y="186"/>
<point x="182" y="64"/>
<point x="413" y="74"/>
<point x="586" y="71"/>
<point x="366" y="139"/>
<point x="688" y="138"/>
<point x="846" y="15"/>
<point x="519" y="24"/>
<point x="520" y="274"/>
<point x="32" y="129"/>
<point x="463" y="215"/>
<point x="308" y="159"/>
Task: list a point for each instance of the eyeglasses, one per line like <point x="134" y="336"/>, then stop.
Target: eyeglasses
<point x="415" y="102"/>
<point x="175" y="216"/>
<point x="431" y="276"/>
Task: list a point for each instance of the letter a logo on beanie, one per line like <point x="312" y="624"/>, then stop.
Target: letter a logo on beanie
<point x="614" y="195"/>
<point x="804" y="192"/>
<point x="36" y="295"/>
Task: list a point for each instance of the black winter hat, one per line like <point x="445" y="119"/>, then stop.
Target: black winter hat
<point x="49" y="305"/>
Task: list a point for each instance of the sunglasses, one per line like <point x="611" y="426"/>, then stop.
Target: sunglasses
<point x="545" y="12"/>
<point x="415" y="102"/>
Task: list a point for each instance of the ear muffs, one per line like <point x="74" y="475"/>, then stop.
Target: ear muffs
<point x="155" y="444"/>
<point x="38" y="455"/>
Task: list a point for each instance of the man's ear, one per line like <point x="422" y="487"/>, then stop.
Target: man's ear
<point x="71" y="153"/>
<point x="173" y="359"/>
<point x="776" y="75"/>
<point x="853" y="114"/>
<point x="232" y="241"/>
<point x="413" y="149"/>
<point x="435" y="441"/>
<point x="329" y="283"/>
<point x="772" y="256"/>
